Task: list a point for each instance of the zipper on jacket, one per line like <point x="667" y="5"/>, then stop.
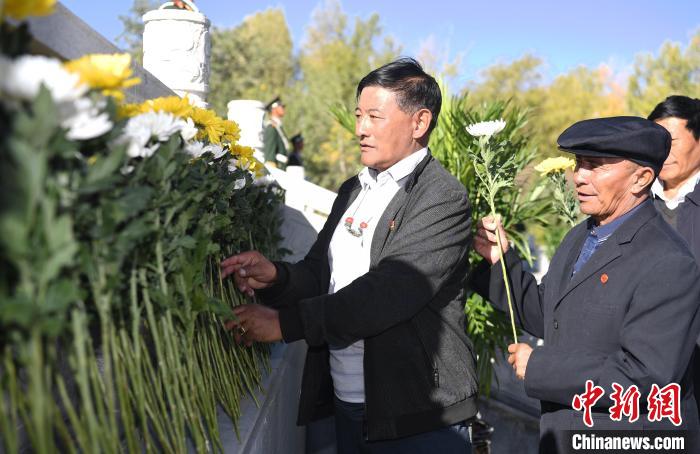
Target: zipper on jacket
<point x="436" y="373"/>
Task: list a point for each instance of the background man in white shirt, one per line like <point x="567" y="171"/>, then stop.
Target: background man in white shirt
<point x="676" y="191"/>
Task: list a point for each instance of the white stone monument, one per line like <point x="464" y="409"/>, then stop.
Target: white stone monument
<point x="176" y="48"/>
<point x="249" y="115"/>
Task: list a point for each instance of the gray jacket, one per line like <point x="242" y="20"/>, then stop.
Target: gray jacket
<point x="419" y="365"/>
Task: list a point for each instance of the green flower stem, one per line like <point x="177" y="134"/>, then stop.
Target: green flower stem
<point x="493" y="179"/>
<point x="81" y="370"/>
<point x="8" y="405"/>
<point x="504" y="270"/>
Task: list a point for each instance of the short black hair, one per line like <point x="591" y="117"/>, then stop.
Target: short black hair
<point x="682" y="107"/>
<point x="414" y="88"/>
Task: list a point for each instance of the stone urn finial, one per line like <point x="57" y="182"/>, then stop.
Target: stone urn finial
<point x="176" y="49"/>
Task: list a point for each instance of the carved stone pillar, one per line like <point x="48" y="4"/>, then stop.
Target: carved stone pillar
<point x="176" y="49"/>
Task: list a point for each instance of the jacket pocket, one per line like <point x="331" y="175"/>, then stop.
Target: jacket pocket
<point x="430" y="363"/>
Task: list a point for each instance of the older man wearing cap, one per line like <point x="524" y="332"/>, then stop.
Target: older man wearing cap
<point x="275" y="142"/>
<point x="620" y="299"/>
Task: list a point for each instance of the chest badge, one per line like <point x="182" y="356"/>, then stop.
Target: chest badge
<point x="603" y="278"/>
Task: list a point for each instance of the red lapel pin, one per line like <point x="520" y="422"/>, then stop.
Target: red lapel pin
<point x="604" y="278"/>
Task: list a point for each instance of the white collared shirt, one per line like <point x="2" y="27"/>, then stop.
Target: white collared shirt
<point x="349" y="258"/>
<point x="657" y="188"/>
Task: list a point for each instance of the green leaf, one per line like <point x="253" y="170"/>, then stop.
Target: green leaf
<point x="105" y="166"/>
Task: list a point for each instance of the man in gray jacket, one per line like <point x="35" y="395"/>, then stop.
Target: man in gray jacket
<point x="379" y="299"/>
<point x="619" y="304"/>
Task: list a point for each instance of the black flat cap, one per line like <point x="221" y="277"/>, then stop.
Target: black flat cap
<point x="634" y="138"/>
<point x="274" y="103"/>
<point x="297" y="138"/>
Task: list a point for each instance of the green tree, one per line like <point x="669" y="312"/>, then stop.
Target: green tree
<point x="131" y="38"/>
<point x="519" y="81"/>
<point x="581" y="93"/>
<point x="675" y="71"/>
<point x="333" y="59"/>
<point x="253" y="60"/>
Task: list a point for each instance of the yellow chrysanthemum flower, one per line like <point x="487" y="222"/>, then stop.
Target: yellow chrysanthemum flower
<point x="128" y="110"/>
<point x="180" y="107"/>
<point x="251" y="164"/>
<point x="210" y="126"/>
<point x="241" y="151"/>
<point x="257" y="167"/>
<point x="231" y="131"/>
<point x="109" y="73"/>
<point x="558" y="164"/>
<point x="21" y="9"/>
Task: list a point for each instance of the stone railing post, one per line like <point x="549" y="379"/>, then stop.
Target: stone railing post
<point x="248" y="114"/>
<point x="176" y="49"/>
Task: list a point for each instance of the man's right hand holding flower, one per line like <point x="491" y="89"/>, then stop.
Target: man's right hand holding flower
<point x="251" y="270"/>
<point x="485" y="242"/>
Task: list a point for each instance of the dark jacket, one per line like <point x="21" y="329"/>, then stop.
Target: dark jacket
<point x="688" y="221"/>
<point x="624" y="318"/>
<point x="688" y="226"/>
<point x="419" y="365"/>
<point x="295" y="159"/>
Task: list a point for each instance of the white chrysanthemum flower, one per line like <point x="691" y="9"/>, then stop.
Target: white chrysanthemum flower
<point x="194" y="148"/>
<point x="486" y="128"/>
<point x="239" y="184"/>
<point x="215" y="149"/>
<point x="161" y="124"/>
<point x="189" y="130"/>
<point x="235" y="165"/>
<point x="25" y="75"/>
<point x="85" y="119"/>
<point x="149" y="127"/>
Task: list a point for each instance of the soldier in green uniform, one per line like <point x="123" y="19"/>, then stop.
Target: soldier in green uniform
<point x="275" y="142"/>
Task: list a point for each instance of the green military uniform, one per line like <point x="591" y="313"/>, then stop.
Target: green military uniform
<point x="275" y="144"/>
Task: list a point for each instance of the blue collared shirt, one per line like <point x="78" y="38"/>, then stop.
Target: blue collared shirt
<point x="597" y="234"/>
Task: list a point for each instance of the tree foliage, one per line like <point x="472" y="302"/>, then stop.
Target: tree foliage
<point x="332" y="60"/>
<point x="131" y="38"/>
<point x="581" y="93"/>
<point x="252" y="60"/>
<point x="675" y="71"/>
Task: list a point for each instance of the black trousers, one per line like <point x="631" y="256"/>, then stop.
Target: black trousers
<point x="350" y="439"/>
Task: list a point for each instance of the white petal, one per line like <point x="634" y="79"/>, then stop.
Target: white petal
<point x="189" y="130"/>
<point x="486" y="128"/>
<point x="239" y="184"/>
<point x="194" y="149"/>
<point x="84" y="119"/>
<point x="27" y="73"/>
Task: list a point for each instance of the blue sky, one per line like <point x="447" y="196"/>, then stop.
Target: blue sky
<point x="564" y="33"/>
